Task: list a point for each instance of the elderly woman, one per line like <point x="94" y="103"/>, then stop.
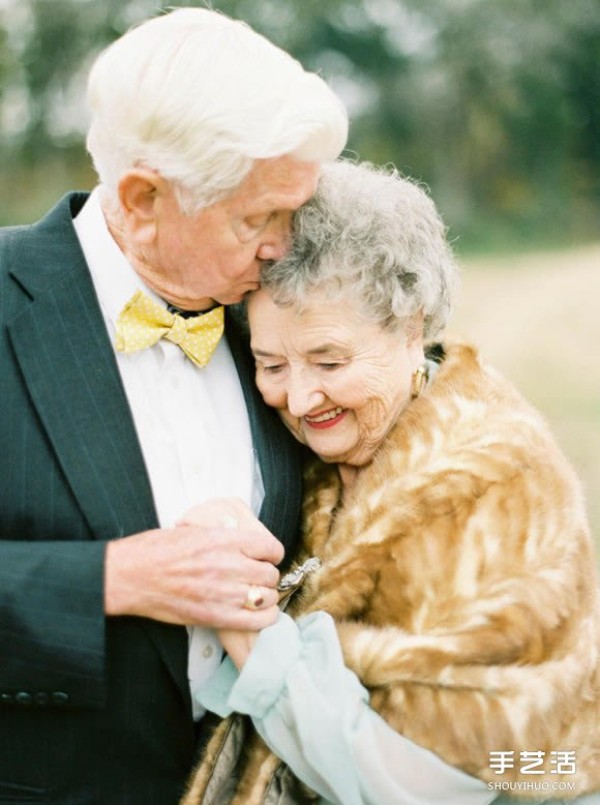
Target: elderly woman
<point x="454" y="600"/>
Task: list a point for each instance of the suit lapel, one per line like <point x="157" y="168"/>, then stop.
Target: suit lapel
<point x="64" y="352"/>
<point x="66" y="358"/>
<point x="279" y="455"/>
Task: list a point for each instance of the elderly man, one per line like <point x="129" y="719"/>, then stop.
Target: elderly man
<point x="121" y="410"/>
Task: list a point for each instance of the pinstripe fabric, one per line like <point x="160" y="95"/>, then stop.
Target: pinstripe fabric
<point x="279" y="455"/>
<point x="102" y="708"/>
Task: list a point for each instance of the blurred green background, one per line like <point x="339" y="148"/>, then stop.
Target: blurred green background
<point x="494" y="104"/>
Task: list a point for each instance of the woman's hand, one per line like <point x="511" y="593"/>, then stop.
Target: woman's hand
<point x="223" y="513"/>
<point x="237" y="644"/>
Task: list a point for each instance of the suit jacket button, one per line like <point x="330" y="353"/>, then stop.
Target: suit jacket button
<point x="59" y="697"/>
<point x="41" y="698"/>
<point x="6" y="698"/>
<point x="24" y="698"/>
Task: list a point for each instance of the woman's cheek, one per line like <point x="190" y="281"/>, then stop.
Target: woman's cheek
<point x="272" y="396"/>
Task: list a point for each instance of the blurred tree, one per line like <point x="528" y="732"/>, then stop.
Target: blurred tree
<point x="493" y="103"/>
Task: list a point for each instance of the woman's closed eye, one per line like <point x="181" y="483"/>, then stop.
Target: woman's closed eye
<point x="271" y="368"/>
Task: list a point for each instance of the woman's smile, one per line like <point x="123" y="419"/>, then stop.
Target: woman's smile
<point x="325" y="419"/>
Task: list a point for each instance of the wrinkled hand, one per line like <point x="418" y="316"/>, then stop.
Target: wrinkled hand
<point x="198" y="572"/>
<point x="232" y="513"/>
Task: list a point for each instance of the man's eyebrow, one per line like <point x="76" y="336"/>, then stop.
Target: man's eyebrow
<point x="260" y="353"/>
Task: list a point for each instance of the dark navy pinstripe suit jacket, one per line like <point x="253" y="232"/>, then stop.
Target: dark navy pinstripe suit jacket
<point x="91" y="711"/>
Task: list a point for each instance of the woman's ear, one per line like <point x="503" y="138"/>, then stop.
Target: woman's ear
<point x="414" y="330"/>
<point x="138" y="191"/>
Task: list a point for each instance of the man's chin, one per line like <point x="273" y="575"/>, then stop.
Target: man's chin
<point x="233" y="298"/>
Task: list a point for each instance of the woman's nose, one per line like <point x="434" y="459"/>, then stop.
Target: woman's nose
<point x="303" y="396"/>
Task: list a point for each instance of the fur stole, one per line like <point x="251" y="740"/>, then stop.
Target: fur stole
<point x="460" y="572"/>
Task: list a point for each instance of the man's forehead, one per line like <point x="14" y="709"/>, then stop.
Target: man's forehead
<point x="283" y="177"/>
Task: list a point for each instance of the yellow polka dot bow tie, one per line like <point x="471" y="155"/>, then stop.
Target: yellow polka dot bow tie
<point x="143" y="322"/>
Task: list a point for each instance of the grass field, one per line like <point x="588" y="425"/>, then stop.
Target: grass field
<point x="537" y="318"/>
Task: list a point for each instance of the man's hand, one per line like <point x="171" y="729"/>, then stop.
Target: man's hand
<point x="197" y="574"/>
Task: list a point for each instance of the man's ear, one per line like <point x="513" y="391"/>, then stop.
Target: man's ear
<point x="139" y="190"/>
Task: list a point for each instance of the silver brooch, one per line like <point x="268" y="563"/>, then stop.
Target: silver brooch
<point x="297" y="576"/>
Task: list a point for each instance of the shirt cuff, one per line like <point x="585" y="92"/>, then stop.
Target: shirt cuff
<point x="264" y="675"/>
<point x="256" y="689"/>
<point x="213" y="694"/>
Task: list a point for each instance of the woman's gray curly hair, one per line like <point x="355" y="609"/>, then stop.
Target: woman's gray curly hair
<point x="373" y="234"/>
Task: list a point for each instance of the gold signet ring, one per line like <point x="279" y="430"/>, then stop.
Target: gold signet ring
<point x="255" y="598"/>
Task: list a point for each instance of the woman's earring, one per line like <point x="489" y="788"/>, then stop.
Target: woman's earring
<point x="419" y="380"/>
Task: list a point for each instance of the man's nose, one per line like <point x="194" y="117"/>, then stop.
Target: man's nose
<point x="276" y="240"/>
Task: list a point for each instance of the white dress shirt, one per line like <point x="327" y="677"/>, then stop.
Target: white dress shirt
<point x="191" y="423"/>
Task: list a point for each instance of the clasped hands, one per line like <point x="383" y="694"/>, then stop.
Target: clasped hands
<point x="212" y="569"/>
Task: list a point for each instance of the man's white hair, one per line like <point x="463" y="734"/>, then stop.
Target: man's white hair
<point x="197" y="97"/>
